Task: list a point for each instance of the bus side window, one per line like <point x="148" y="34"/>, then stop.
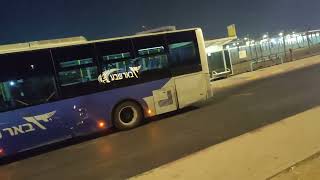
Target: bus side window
<point x="30" y="83"/>
<point x="3" y="104"/>
<point x="77" y="70"/>
<point x="152" y="57"/>
<point x="115" y="54"/>
<point x="184" y="57"/>
<point x="116" y="61"/>
<point x="72" y="72"/>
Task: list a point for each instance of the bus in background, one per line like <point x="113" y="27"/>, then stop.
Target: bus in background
<point x="54" y="92"/>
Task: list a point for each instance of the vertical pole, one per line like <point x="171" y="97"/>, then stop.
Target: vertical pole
<point x="250" y="49"/>
<point x="255" y="47"/>
<point x="297" y="42"/>
<point x="261" y="51"/>
<point x="224" y="61"/>
<point x="308" y="39"/>
<point x="269" y="46"/>
<point x="284" y="46"/>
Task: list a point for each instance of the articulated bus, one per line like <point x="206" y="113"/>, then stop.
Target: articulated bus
<point x="55" y="92"/>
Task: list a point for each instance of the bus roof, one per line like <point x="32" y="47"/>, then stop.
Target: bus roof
<point x="46" y="44"/>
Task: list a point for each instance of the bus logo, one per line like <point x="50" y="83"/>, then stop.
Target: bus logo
<point x="36" y="119"/>
<point x="110" y="75"/>
<point x="33" y="122"/>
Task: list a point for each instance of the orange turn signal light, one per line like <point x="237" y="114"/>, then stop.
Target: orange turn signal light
<point x="101" y="124"/>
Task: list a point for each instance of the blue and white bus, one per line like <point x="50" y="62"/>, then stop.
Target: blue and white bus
<point x="54" y="92"/>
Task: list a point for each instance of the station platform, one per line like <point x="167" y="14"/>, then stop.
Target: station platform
<point x="265" y="153"/>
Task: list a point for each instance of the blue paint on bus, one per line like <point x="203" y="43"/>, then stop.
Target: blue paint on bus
<point x="71" y="117"/>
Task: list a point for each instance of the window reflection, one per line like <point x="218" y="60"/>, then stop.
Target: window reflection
<point x="26" y="92"/>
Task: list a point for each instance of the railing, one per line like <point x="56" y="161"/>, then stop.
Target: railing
<point x="273" y="58"/>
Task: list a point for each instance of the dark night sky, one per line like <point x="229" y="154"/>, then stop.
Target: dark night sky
<point x="29" y="20"/>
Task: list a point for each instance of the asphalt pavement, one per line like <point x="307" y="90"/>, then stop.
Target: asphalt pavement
<point x="120" y="155"/>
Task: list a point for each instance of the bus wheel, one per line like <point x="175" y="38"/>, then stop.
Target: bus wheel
<point x="127" y="115"/>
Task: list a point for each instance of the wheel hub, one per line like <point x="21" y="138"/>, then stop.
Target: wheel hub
<point x="127" y="115"/>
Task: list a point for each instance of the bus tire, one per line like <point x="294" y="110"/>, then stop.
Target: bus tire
<point x="127" y="115"/>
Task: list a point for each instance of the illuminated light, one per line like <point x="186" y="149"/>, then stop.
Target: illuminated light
<point x="265" y="36"/>
<point x="149" y="111"/>
<point x="101" y="124"/>
<point x="12" y="83"/>
<point x="153" y="48"/>
<point x="274" y="41"/>
<point x="245" y="39"/>
<point x="263" y="41"/>
<point x="1" y="151"/>
<point x="228" y="47"/>
<point x="213" y="49"/>
<point x="281" y="34"/>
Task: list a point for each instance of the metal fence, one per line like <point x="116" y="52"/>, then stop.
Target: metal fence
<point x="271" y="47"/>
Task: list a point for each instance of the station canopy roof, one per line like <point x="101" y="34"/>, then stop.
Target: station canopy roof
<point x="216" y="45"/>
<point x="219" y="42"/>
